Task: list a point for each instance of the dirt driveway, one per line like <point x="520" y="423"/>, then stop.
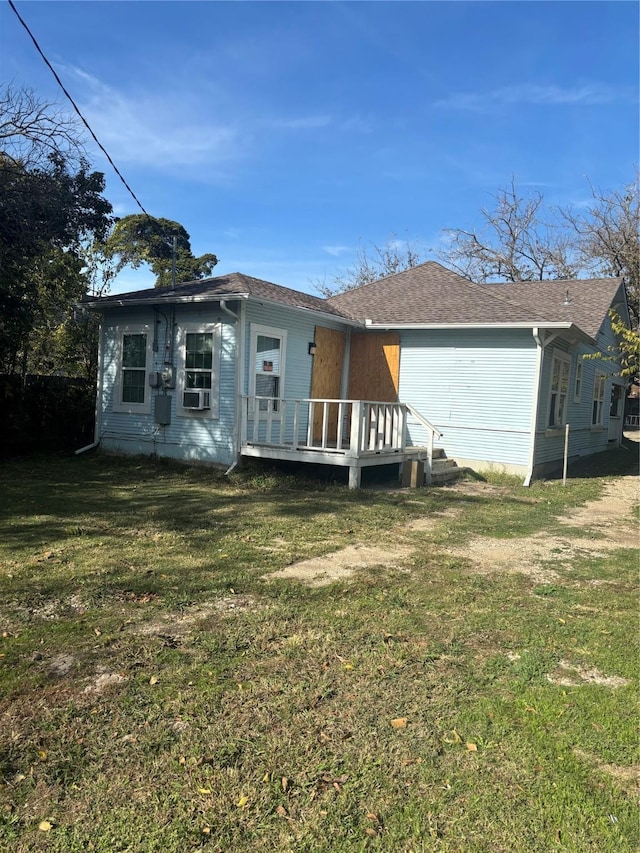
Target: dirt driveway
<point x="607" y="523"/>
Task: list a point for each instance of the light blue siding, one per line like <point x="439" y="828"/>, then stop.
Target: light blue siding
<point x="188" y="437"/>
<point x="476" y="386"/>
<point x="583" y="438"/>
<point x="300" y="328"/>
<point x="298" y="367"/>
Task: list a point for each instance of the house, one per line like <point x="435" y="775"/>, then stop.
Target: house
<point x="233" y="366"/>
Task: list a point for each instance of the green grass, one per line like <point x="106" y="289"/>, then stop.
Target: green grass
<point x="257" y="714"/>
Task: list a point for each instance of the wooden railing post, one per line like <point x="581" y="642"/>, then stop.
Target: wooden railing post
<point x="296" y="421"/>
<point x="428" y="469"/>
<point x="356" y="428"/>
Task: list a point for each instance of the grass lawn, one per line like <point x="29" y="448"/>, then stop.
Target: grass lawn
<point x="157" y="693"/>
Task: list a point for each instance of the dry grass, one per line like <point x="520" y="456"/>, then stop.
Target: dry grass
<point x="164" y="689"/>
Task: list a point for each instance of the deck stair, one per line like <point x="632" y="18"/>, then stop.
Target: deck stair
<point x="443" y="469"/>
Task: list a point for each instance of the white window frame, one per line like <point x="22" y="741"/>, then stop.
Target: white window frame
<point x="118" y="404"/>
<point x="599" y="397"/>
<point x="577" y="382"/>
<point x="185" y="329"/>
<point x="268" y="332"/>
<point x="554" y="421"/>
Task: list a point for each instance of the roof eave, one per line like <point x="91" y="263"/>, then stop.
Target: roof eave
<point x="573" y="330"/>
<point x="114" y="302"/>
<point x="338" y="318"/>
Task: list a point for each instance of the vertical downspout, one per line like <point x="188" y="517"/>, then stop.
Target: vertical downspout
<point x="536" y="404"/>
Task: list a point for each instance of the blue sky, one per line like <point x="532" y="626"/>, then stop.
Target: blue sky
<point x="283" y="134"/>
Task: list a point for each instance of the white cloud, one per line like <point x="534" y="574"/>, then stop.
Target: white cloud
<point x="162" y="130"/>
<point x="588" y="94"/>
<point x="336" y="251"/>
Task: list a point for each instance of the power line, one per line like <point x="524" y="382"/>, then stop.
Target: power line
<point x="74" y="105"/>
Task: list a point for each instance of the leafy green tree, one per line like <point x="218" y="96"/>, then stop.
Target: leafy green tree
<point x="49" y="212"/>
<point x="138" y="239"/>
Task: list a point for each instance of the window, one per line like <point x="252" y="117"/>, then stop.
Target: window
<point x="559" y="389"/>
<point x="131" y="391"/>
<point x="198" y="370"/>
<point x="577" y="388"/>
<point x="615" y="410"/>
<point x="599" y="383"/>
<point x="268" y="353"/>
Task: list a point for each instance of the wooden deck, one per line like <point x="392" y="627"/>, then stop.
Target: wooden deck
<point x="350" y="433"/>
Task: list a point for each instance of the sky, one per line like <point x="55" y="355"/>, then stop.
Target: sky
<point x="284" y="135"/>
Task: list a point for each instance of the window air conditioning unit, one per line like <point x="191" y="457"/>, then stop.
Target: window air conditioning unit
<point x="196" y="400"/>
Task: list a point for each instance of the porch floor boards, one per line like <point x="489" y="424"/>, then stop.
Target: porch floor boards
<point x="331" y="455"/>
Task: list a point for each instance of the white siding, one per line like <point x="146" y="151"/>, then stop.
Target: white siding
<point x="476" y="386"/>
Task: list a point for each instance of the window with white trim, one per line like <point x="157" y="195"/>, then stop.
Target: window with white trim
<point x="558" y="392"/>
<point x="577" y="386"/>
<point x="268" y="357"/>
<point x="599" y="385"/>
<point x="198" y="369"/>
<point x="132" y="393"/>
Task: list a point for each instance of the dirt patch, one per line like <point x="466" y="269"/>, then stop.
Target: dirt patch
<point x="341" y="565"/>
<point x="180" y="624"/>
<point x="104" y="680"/>
<point x="569" y="675"/>
<point x="610" y="516"/>
<point x="609" y="519"/>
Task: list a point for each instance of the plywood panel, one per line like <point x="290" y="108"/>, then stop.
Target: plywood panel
<point x="374" y="371"/>
<point x="326" y="377"/>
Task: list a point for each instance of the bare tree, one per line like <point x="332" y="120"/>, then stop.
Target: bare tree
<point x="31" y="130"/>
<point x="394" y="256"/>
<point x="515" y="244"/>
<point x="607" y="237"/>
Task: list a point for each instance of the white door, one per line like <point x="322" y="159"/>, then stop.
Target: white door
<point x="266" y="381"/>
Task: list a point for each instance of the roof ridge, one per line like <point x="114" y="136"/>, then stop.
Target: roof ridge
<point x="393" y="275"/>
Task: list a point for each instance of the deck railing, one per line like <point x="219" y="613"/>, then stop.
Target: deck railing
<point x="348" y="427"/>
<point x="355" y="433"/>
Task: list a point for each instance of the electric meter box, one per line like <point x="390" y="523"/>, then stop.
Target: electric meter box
<point x="162" y="410"/>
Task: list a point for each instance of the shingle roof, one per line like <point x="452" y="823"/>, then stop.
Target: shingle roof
<point x="430" y="294"/>
<point x="224" y="286"/>
<point x="424" y="294"/>
<point x="588" y="300"/>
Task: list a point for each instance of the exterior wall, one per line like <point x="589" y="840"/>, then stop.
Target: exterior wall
<point x="298" y="365"/>
<point x="584" y="438"/>
<point x="476" y="387"/>
<point x="192" y="437"/>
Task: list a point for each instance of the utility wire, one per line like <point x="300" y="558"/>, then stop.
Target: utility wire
<point x="74" y="105"/>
